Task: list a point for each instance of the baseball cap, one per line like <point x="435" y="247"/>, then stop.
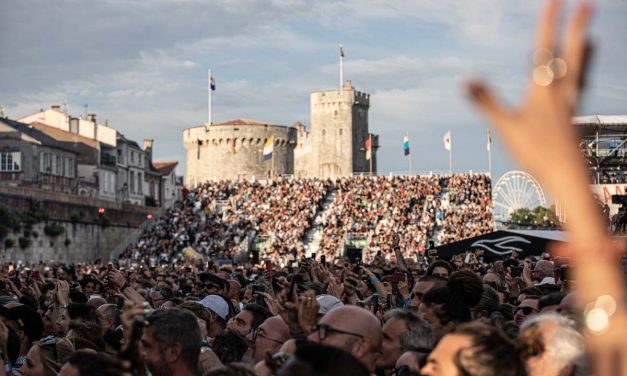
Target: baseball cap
<point x="217" y="305"/>
<point x="327" y="303"/>
<point x="27" y="319"/>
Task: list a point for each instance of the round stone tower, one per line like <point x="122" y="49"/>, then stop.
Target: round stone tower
<point x="234" y="150"/>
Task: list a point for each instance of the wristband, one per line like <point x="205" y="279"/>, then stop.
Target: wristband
<point x="374" y="280"/>
<point x="125" y="286"/>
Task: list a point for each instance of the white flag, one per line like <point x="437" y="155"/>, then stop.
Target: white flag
<point x="447" y="140"/>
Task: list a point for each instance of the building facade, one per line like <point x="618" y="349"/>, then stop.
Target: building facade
<point x="30" y="158"/>
<point x="110" y="166"/>
<point x="334" y="147"/>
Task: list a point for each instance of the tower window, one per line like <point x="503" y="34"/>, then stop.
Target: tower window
<point x="340" y="131"/>
<point x="324" y="132"/>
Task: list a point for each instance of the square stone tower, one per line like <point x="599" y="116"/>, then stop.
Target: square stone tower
<point x="339" y="130"/>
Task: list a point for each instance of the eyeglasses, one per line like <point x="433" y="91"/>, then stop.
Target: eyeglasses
<point x="526" y="310"/>
<point x="256" y="334"/>
<point x="324" y="330"/>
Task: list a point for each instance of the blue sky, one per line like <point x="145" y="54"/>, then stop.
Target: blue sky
<point x="143" y="65"/>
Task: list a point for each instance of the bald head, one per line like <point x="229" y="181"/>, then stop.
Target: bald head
<point x="357" y="331"/>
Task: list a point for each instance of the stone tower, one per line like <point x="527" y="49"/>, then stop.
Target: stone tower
<point x="339" y="130"/>
<point x="234" y="150"/>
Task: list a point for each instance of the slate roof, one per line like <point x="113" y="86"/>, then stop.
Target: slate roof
<point x="37" y="135"/>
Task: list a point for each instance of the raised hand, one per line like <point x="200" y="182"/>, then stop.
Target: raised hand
<point x="539" y="134"/>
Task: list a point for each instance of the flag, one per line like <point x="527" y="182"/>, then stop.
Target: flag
<point x="406" y="144"/>
<point x="368" y="146"/>
<point x="341" y="51"/>
<point x="268" y="148"/>
<point x="489" y="145"/>
<point x="212" y="84"/>
<point x="232" y="147"/>
<point x="447" y="140"/>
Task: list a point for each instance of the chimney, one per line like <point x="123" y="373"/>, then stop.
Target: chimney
<point x="148" y="148"/>
<point x="56" y="108"/>
<point x="91" y="118"/>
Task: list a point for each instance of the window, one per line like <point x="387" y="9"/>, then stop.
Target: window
<point x="52" y="168"/>
<point x="10" y="161"/>
<point x="140" y="186"/>
<point x="45" y="163"/>
<point x="132" y="157"/>
<point x="70" y="168"/>
<point x="132" y="180"/>
<point x="59" y="170"/>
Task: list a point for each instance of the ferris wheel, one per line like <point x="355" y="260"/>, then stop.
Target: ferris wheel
<point x="516" y="190"/>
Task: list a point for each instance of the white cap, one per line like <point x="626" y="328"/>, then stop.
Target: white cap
<point x="217" y="305"/>
<point x="327" y="303"/>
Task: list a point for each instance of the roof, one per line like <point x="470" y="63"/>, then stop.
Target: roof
<point x="64" y="136"/>
<point x="604" y="124"/>
<point x="122" y="138"/>
<point x="601" y="119"/>
<point x="38" y="135"/>
<point x="243" y="122"/>
<point x="165" y="167"/>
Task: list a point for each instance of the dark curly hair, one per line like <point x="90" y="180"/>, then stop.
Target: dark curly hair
<point x="452" y="302"/>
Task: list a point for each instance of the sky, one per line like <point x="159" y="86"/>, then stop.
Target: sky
<point x="142" y="65"/>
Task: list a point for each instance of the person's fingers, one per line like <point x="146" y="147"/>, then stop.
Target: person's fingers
<point x="546" y="29"/>
<point x="483" y="98"/>
<point x="575" y="46"/>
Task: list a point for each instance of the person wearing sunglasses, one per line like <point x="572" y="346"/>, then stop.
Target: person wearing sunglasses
<point x="353" y="329"/>
<point x="526" y="308"/>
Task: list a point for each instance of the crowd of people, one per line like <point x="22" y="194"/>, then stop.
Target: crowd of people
<point x="224" y="219"/>
<point x="413" y="316"/>
<point x="221" y="219"/>
<point x="164" y="309"/>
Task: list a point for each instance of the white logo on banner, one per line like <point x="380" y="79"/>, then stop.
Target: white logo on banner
<point x="501" y="246"/>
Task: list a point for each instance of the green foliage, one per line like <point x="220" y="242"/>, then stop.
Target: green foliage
<point x="54" y="230"/>
<point x="16" y="221"/>
<point x="24" y="242"/>
<point x="540" y="217"/>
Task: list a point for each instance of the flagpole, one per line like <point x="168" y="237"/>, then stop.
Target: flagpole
<point x="371" y="156"/>
<point x="409" y="156"/>
<point x="489" y="154"/>
<point x="450" y="160"/>
<point x="341" y="69"/>
<point x="209" y="98"/>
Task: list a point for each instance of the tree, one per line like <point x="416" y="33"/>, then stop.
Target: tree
<point x="540" y="217"/>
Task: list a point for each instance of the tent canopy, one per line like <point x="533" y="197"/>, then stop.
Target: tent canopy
<point x="503" y="242"/>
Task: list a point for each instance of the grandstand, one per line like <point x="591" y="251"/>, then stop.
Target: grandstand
<point x="603" y="143"/>
<point x="287" y="218"/>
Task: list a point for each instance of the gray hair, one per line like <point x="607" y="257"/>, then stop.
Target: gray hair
<point x="418" y="334"/>
<point x="566" y="346"/>
<point x="177" y="325"/>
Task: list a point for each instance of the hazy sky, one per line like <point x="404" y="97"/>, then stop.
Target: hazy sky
<point x="143" y="65"/>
